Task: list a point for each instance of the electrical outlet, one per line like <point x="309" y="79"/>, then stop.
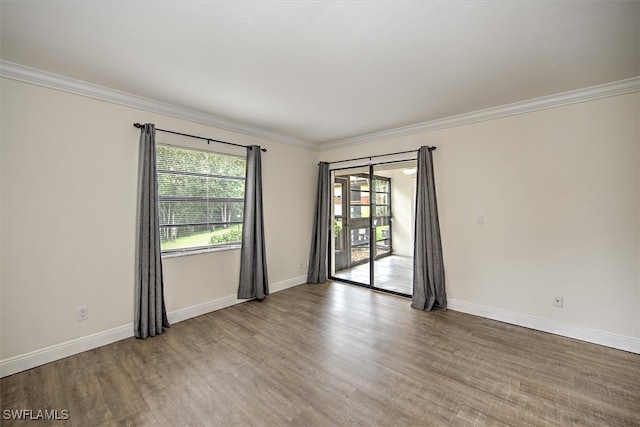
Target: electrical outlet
<point x="557" y="302"/>
<point x="82" y="312"/>
<point x="480" y="219"/>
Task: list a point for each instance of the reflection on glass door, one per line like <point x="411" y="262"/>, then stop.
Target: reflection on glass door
<point x="352" y="225"/>
<point x="359" y="219"/>
<point x="340" y="246"/>
<point x="382" y="218"/>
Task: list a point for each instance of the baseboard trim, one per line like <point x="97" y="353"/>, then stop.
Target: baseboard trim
<point x="36" y="358"/>
<point x="228" y="301"/>
<point x="286" y="284"/>
<point x="593" y="336"/>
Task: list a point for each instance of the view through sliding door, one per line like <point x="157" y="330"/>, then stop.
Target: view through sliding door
<point x="351" y="225"/>
<point x="372" y="226"/>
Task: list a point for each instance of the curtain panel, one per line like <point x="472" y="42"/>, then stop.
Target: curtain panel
<point x="150" y="315"/>
<point x="428" y="267"/>
<point x="254" y="280"/>
<point x="318" y="256"/>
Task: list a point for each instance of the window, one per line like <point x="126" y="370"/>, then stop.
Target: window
<point x="201" y="198"/>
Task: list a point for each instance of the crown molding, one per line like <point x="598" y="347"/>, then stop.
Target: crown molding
<point x="551" y="101"/>
<point x="38" y="77"/>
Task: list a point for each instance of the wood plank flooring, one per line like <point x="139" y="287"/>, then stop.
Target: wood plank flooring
<point x="336" y="355"/>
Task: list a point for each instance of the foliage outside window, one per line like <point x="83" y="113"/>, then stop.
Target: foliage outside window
<point x="201" y="198"/>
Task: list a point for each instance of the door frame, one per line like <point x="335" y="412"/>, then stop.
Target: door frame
<point x="371" y="226"/>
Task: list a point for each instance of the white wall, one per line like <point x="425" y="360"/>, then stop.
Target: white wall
<point x="68" y="177"/>
<point x="559" y="189"/>
<point x="403" y="203"/>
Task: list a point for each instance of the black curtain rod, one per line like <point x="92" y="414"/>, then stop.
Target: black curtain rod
<point x="380" y="155"/>
<point x="138" y="125"/>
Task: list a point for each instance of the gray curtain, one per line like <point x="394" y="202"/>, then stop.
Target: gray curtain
<point x="150" y="315"/>
<point x="428" y="268"/>
<point x="254" y="281"/>
<point x="318" y="266"/>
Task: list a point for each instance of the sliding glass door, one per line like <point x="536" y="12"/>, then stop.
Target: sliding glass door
<point x="365" y="219"/>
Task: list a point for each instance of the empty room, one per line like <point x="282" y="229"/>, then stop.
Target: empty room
<point x="319" y="213"/>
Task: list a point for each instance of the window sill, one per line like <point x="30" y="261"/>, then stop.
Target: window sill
<point x="188" y="252"/>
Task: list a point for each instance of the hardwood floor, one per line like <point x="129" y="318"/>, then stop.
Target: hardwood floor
<point x="336" y="354"/>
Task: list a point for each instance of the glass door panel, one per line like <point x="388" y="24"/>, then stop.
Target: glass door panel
<point x="352" y="225"/>
<point x="339" y="220"/>
<point x="382" y="217"/>
<point x="394" y="195"/>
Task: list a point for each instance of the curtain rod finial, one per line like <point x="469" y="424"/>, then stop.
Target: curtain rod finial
<point x="137" y="125"/>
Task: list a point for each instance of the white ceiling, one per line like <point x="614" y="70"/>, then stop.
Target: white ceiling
<point x="322" y="72"/>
